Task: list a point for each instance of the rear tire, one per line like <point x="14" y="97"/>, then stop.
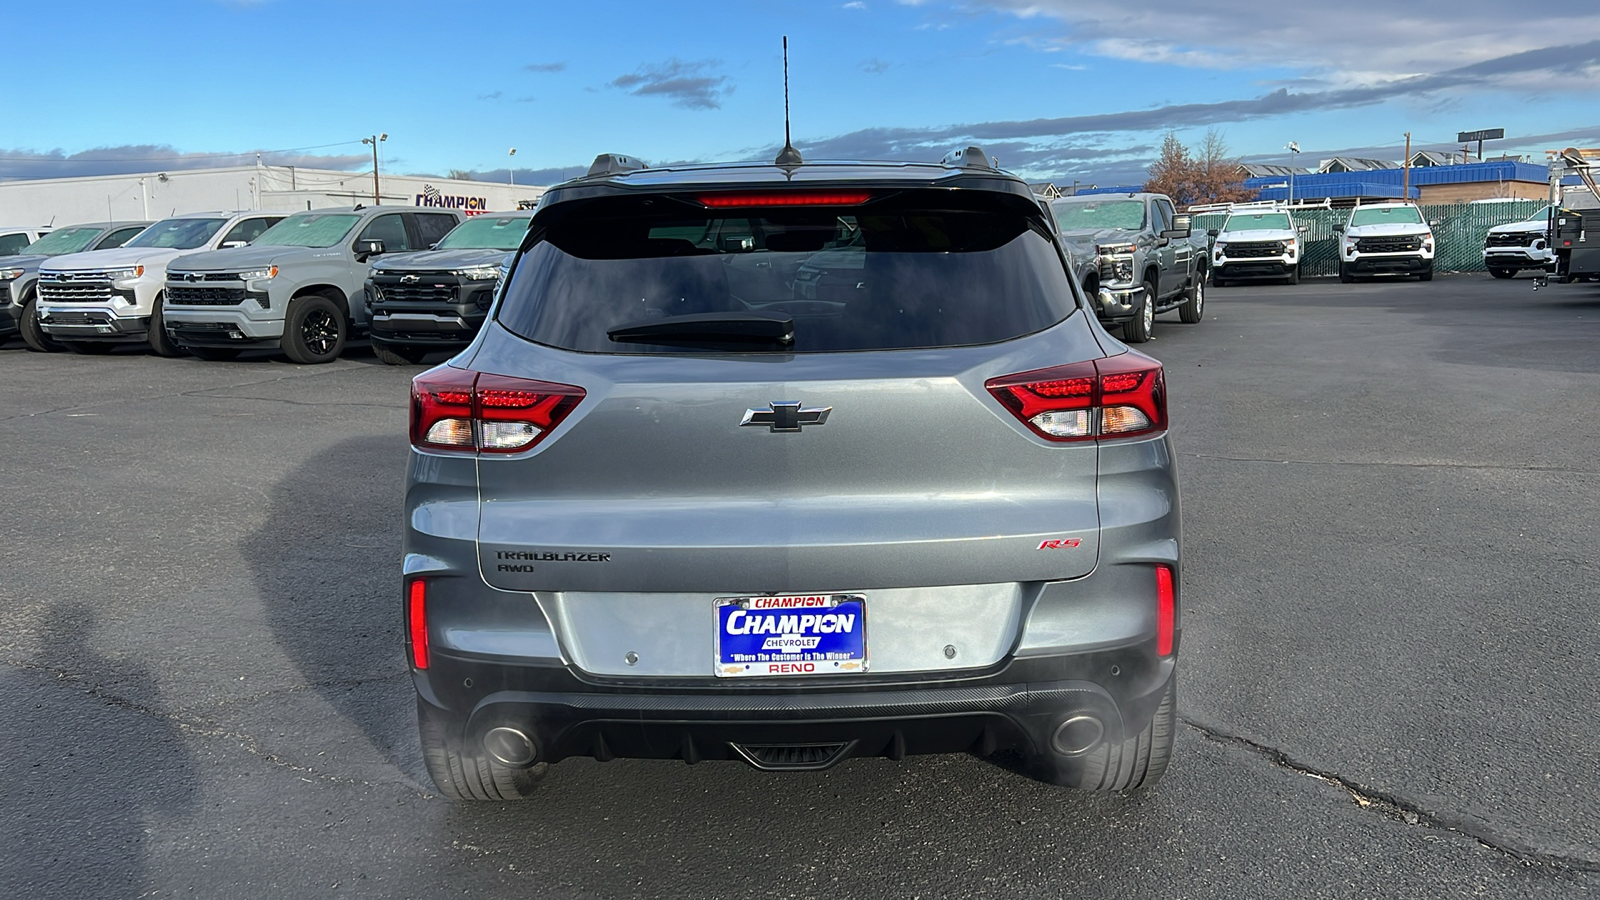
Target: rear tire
<point x="1193" y="308"/>
<point x="398" y="354"/>
<point x="161" y="344"/>
<point x="1498" y="272"/>
<point x="33" y="334"/>
<point x="315" y="330"/>
<point x="1134" y="764"/>
<point x="463" y="774"/>
<point x="89" y="348"/>
<point x="213" y="354"/>
<point x="1345" y="275"/>
<point x="1139" y="329"/>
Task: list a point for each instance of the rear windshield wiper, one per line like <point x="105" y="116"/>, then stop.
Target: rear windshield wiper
<point x="747" y="327"/>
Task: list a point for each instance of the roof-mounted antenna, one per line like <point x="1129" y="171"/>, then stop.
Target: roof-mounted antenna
<point x="788" y="156"/>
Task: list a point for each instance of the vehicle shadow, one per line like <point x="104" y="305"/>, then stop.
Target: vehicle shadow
<point x="91" y="778"/>
<point x="326" y="561"/>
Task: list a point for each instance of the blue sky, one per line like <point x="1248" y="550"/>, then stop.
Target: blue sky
<point x="1058" y="89"/>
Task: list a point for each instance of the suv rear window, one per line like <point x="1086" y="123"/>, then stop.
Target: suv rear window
<point x="912" y="269"/>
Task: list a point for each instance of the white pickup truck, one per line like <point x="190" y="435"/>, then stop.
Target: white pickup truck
<point x="92" y="301"/>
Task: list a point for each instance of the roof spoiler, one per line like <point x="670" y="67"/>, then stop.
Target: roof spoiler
<point x="970" y="158"/>
<point x="613" y="164"/>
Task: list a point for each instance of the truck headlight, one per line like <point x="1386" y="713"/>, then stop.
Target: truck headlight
<point x="478" y="273"/>
<point x="125" y="274"/>
<point x="266" y="274"/>
<point x="10" y="274"/>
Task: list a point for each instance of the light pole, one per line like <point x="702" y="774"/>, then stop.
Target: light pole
<point x="1294" y="148"/>
<point x="374" y="141"/>
<point x="510" y="172"/>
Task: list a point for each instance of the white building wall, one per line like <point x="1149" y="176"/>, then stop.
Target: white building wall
<point x="155" y="195"/>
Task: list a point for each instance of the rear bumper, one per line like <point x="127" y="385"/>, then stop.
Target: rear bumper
<point x="1017" y="707"/>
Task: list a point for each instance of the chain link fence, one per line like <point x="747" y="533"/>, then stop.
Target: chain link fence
<point x="1458" y="232"/>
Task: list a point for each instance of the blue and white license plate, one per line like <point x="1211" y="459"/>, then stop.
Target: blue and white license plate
<point x="801" y="635"/>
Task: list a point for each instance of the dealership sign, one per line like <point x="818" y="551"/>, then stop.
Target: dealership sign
<point x="432" y="196"/>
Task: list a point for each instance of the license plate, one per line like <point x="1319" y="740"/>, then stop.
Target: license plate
<point x="822" y="634"/>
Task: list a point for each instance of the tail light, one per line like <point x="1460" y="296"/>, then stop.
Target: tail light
<point x="417" y="622"/>
<point x="1166" y="612"/>
<point x="1121" y="396"/>
<point x="476" y="412"/>
<point x="785" y="198"/>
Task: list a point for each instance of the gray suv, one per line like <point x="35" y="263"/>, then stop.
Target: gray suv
<point x="298" y="287"/>
<point x="670" y="505"/>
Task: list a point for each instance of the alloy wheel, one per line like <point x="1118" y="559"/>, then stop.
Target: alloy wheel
<point x="319" y="332"/>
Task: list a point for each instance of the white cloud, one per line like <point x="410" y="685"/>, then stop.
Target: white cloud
<point x="1353" y="42"/>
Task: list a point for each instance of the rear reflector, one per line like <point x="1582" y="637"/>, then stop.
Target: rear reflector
<point x="1164" y="610"/>
<point x="417" y="617"/>
<point x="1121" y="396"/>
<point x="477" y="412"/>
<point x="786" y="198"/>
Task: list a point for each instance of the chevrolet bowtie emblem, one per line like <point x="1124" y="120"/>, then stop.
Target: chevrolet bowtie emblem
<point x="786" y="415"/>
<point x="410" y="279"/>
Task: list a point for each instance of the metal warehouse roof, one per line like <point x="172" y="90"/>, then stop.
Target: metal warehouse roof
<point x="1310" y="185"/>
<point x="1119" y="189"/>
<point x="1335" y="191"/>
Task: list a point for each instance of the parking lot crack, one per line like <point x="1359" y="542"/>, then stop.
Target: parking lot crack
<point x="202" y="392"/>
<point x="1400" y="808"/>
<point x="200" y="726"/>
<point x="1491" y="467"/>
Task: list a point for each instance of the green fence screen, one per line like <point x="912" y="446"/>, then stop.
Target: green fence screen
<point x="1458" y="232"/>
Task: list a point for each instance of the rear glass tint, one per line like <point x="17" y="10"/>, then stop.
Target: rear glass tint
<point x="914" y="269"/>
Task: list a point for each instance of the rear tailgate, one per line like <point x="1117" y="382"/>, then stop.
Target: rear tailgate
<point x="917" y="477"/>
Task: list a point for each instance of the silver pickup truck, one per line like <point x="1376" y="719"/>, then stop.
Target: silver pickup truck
<point x="1148" y="259"/>
<point x="298" y="287"/>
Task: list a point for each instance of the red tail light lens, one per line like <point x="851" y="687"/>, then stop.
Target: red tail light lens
<point x="476" y="412"/>
<point x="1165" y="610"/>
<point x="417" y="620"/>
<point x="785" y="198"/>
<point x="1122" y="396"/>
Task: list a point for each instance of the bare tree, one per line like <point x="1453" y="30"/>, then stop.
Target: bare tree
<point x="1209" y="176"/>
<point x="1173" y="173"/>
<point x="460" y="175"/>
<point x="1218" y="178"/>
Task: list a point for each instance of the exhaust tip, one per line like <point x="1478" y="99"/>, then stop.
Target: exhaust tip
<point x="509" y="747"/>
<point x="1078" y="735"/>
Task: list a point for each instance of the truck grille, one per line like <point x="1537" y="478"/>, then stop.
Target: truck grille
<point x="1399" y="244"/>
<point x="1514" y="239"/>
<point x="5" y="295"/>
<point x="74" y="291"/>
<point x="1253" y="249"/>
<point x="203" y="296"/>
<point x="417" y="293"/>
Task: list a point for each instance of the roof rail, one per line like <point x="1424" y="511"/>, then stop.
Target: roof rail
<point x="970" y="158"/>
<point x="613" y="164"/>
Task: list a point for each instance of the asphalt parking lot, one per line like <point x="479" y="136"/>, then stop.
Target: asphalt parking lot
<point x="1388" y="680"/>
